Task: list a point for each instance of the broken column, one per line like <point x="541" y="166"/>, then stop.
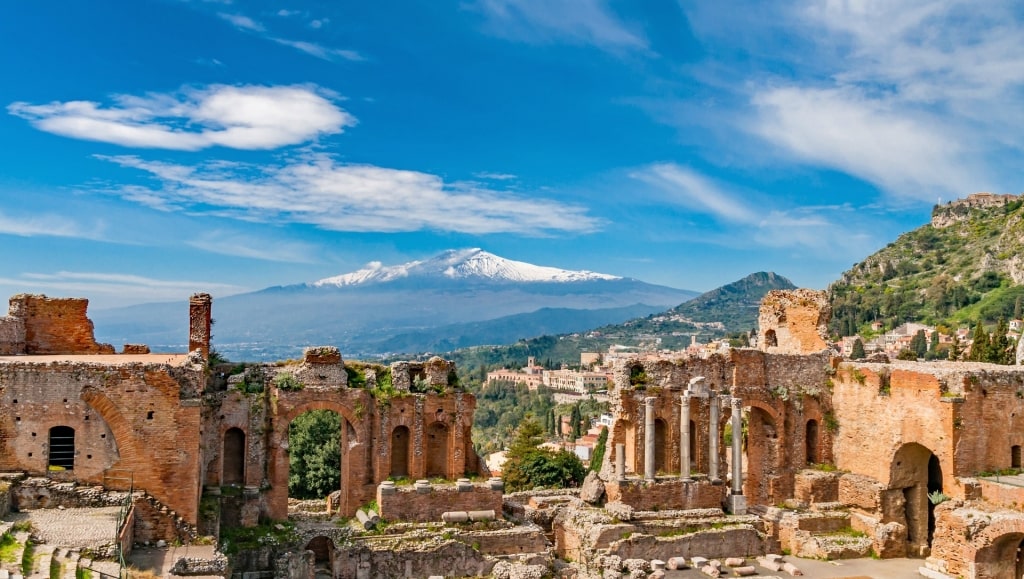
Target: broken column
<point x="737" y="502"/>
<point x="200" y="307"/>
<point x="649" y="438"/>
<point x="684" y="438"/>
<point x="713" y="440"/>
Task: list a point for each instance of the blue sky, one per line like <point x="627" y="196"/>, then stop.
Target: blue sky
<point x="156" y="148"/>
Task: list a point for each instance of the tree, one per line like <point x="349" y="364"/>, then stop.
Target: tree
<point x="955" y="349"/>
<point x="979" y="344"/>
<point x="599" y="449"/>
<point x="576" y="419"/>
<point x="999" y="350"/>
<point x="933" y="346"/>
<point x="529" y="467"/>
<point x="919" y="344"/>
<point x="857" y="352"/>
<point x="314" y="454"/>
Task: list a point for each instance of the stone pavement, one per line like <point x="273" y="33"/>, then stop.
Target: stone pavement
<point x="79" y="528"/>
<point x="847" y="569"/>
<point x="160" y="560"/>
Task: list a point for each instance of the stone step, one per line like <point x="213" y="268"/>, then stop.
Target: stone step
<point x="42" y="559"/>
<point x="828" y="506"/>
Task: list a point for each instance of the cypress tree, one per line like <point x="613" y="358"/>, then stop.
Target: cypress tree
<point x="857" y="352"/>
<point x="979" y="344"/>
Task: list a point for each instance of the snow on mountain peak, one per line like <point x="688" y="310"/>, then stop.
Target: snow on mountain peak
<point x="472" y="263"/>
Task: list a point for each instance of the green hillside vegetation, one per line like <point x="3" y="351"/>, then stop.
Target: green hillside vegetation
<point x="949" y="276"/>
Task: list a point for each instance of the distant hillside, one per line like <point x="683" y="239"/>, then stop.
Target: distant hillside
<point x="964" y="266"/>
<point x="729" y="309"/>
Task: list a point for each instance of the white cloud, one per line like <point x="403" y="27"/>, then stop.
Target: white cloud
<point x="115" y="289"/>
<point x="872" y="137"/>
<point x="239" y="117"/>
<point x="690" y="189"/>
<point x="43" y="225"/>
<point x="318" y="22"/>
<point x="318" y="190"/>
<point x="572" y="21"/>
<point x="286" y="13"/>
<point x="494" y="176"/>
<point x="318" y="50"/>
<point x="262" y="248"/>
<point x="243" y="22"/>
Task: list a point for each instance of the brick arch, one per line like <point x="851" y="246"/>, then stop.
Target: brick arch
<point x="128" y="448"/>
<point x="332" y="405"/>
<point x="994" y="550"/>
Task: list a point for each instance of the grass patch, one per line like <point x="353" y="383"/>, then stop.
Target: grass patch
<point x="83" y="573"/>
<point x="235" y="539"/>
<point x="28" y="558"/>
<point x="9" y="548"/>
<point x="849" y="532"/>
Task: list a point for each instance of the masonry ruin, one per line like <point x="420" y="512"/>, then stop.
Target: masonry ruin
<point x="736" y="455"/>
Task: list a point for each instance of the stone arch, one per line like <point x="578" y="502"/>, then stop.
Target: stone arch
<point x="917" y="471"/>
<point x="323" y="551"/>
<point x="763" y="454"/>
<point x="436" y="449"/>
<point x="771" y="340"/>
<point x="400" y="451"/>
<point x="811" y="442"/>
<point x="1002" y="557"/>
<point x="233" y="457"/>
<point x="61" y="448"/>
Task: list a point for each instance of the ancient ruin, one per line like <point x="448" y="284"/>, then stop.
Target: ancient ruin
<point x="732" y="457"/>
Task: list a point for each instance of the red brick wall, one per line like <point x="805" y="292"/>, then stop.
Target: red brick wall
<point x="56" y="325"/>
<point x="670" y="494"/>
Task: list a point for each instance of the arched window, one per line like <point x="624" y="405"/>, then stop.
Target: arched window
<point x="62" y="448"/>
<point x="400" y="451"/>
<point x="770" y="339"/>
<point x="812" y="442"/>
<point x="234" y="457"/>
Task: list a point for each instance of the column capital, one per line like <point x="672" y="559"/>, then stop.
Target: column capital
<point x="649" y="401"/>
<point x="737" y="403"/>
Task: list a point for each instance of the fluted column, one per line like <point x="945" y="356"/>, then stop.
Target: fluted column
<point x="713" y="439"/>
<point x="737" y="446"/>
<point x="684" y="438"/>
<point x="649" y="438"/>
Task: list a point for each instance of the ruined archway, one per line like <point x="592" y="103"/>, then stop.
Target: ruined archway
<point x="762" y="456"/>
<point x="437" y="450"/>
<point x="917" y="471"/>
<point x="1002" y="559"/>
<point x="811" y="442"/>
<point x="315" y="454"/>
<point x="400" y="451"/>
<point x="628" y="440"/>
<point x="233" y="463"/>
<point x="323" y="555"/>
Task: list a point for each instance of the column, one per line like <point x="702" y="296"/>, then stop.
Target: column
<point x="649" y="438"/>
<point x="620" y="462"/>
<point x="713" y="440"/>
<point x="737" y="446"/>
<point x="684" y="438"/>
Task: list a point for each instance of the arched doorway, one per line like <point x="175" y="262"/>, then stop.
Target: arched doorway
<point x="660" y="448"/>
<point x="1003" y="559"/>
<point x="811" y="442"/>
<point x="314" y="454"/>
<point x="917" y="471"/>
<point x="437" y="450"/>
<point x="323" y="555"/>
<point x="400" y="451"/>
<point x="233" y="464"/>
<point x="761" y="458"/>
<point x="629" y="443"/>
<point x="62" y="448"/>
<point x="770" y="339"/>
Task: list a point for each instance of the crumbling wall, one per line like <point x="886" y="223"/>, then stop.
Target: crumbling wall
<point x="409" y="504"/>
<point x="56" y="325"/>
<point x="666" y="494"/>
<point x="794" y="321"/>
<point x="12" y="336"/>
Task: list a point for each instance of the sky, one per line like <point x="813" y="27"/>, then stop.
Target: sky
<point x="155" y="148"/>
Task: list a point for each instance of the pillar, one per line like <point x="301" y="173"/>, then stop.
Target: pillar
<point x="737" y="447"/>
<point x="713" y="440"/>
<point x="620" y="462"/>
<point x="199" y="313"/>
<point x="684" y="438"/>
<point x="649" y="438"/>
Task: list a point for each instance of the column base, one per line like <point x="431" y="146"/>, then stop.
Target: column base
<point x="736" y="504"/>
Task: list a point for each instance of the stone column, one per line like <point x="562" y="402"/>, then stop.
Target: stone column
<point x="737" y="446"/>
<point x="684" y="438"/>
<point x="200" y="318"/>
<point x="620" y="462"/>
<point x="713" y="439"/>
<point x="649" y="438"/>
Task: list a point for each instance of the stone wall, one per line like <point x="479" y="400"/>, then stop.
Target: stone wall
<point x="666" y="494"/>
<point x="12" y="336"/>
<point x="409" y="504"/>
<point x="56" y="325"/>
<point x="794" y="321"/>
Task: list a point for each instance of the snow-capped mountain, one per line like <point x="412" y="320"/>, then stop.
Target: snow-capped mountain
<point x="462" y="264"/>
<point x="453" y="298"/>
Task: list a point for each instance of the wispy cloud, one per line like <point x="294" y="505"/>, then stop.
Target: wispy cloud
<point x="241" y="21"/>
<point x="316" y="189"/>
<point x="239" y="117"/>
<point x="571" y="21"/>
<point x="246" y="24"/>
<point x="115" y="288"/>
<point x="242" y="245"/>
<point x="44" y="225"/>
<point x="494" y="176"/>
<point x="751" y="218"/>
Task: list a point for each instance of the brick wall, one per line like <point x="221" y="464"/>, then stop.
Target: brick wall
<point x="12" y="336"/>
<point x="409" y="505"/>
<point x="56" y="325"/>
